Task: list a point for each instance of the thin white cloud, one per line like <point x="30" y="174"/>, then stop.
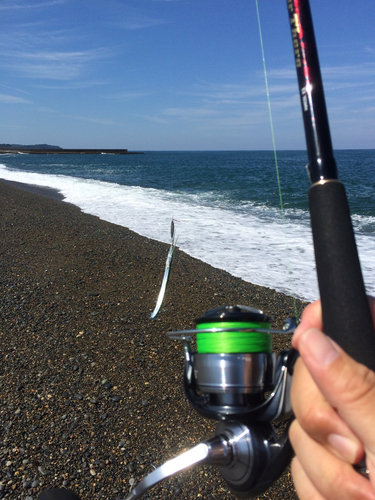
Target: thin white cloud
<point x="14" y="88"/>
<point x="100" y="121"/>
<point x="346" y="87"/>
<point x="10" y="99"/>
<point x="73" y="85"/>
<point x="37" y="51"/>
<point x="8" y="126"/>
<point x="281" y="73"/>
<point x="35" y="38"/>
<point x="128" y="96"/>
<point x="215" y="106"/>
<point x="368" y="50"/>
<point x="140" y="22"/>
<point x="153" y="119"/>
<point x="251" y="94"/>
<point x="206" y="119"/>
<point x="28" y="5"/>
<point x="349" y="72"/>
<point x="46" y="109"/>
<point x="53" y="65"/>
<point x="366" y="98"/>
<point x="189" y="113"/>
<point x="49" y="56"/>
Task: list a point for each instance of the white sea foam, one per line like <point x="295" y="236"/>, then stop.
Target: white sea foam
<point x="252" y="243"/>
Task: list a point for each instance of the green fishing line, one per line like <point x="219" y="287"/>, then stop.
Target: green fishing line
<point x="233" y="342"/>
<point x="276" y="164"/>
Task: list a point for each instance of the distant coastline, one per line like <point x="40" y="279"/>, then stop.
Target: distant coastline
<point x="46" y="149"/>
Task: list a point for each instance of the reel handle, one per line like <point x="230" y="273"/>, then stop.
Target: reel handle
<point x="249" y="458"/>
<point x="215" y="451"/>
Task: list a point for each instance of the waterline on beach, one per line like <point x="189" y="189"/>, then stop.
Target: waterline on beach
<point x="231" y="223"/>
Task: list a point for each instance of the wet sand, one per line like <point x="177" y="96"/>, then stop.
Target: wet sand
<point x="48" y="192"/>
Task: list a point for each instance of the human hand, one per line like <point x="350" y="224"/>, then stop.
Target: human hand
<point x="333" y="399"/>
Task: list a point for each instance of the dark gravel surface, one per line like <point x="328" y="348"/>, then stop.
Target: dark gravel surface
<point x="91" y="393"/>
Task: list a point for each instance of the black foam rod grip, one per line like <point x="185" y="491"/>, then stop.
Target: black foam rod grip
<point x="346" y="312"/>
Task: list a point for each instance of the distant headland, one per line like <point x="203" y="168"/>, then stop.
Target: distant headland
<point x="46" y="149"/>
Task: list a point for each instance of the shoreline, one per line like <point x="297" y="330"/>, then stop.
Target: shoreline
<point x="88" y="382"/>
<point x="47" y="192"/>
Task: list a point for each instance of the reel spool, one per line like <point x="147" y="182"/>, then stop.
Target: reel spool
<point x="235" y="378"/>
<point x="234" y="368"/>
<point x="234" y="364"/>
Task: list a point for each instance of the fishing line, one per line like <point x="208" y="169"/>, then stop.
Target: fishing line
<point x="290" y="272"/>
<point x="233" y="342"/>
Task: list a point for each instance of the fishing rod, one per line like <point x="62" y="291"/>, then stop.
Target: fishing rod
<point x="346" y="312"/>
<point x="229" y="375"/>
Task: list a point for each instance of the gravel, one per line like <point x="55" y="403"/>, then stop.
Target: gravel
<point x="91" y="393"/>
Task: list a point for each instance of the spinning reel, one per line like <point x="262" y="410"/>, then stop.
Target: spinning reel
<point x="236" y="379"/>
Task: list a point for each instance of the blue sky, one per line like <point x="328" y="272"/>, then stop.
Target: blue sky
<point x="177" y="74"/>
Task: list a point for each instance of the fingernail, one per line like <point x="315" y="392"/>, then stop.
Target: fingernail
<point x="319" y="346"/>
<point x="345" y="447"/>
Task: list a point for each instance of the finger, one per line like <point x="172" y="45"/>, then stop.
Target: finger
<point x="304" y="487"/>
<point x="318" y="419"/>
<point x="330" y="476"/>
<point x="311" y="318"/>
<point x="347" y="385"/>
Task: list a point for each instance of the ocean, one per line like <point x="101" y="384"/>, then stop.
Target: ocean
<point x="225" y="204"/>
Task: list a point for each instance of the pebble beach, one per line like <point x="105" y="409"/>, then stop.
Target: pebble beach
<point x="91" y="394"/>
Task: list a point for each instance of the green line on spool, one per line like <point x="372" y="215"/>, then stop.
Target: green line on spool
<point x="233" y="342"/>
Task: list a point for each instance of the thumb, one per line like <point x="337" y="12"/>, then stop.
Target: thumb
<point x="349" y="387"/>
